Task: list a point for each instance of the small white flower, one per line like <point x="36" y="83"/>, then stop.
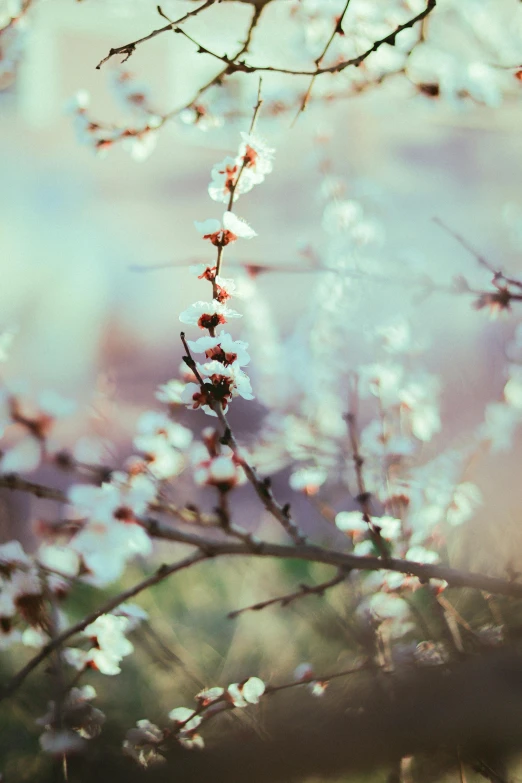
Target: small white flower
<point x="387" y="606"/>
<point x="390" y="526"/>
<point x="207" y="315"/>
<point x="247" y="693"/>
<point x="155" y="423"/>
<point x="24" y="457"/>
<point x="364" y="548"/>
<point x="210" y="695"/>
<point x="308" y="480"/>
<point x="112" y="645"/>
<point x="256" y="156"/>
<point x="13" y="555"/>
<point x="466" y="498"/>
<point x="396" y="337"/>
<point x="225" y="180"/>
<point x="223" y="348"/>
<point x="253" y="689"/>
<point x="351" y="522"/>
<point x="61" y="742"/>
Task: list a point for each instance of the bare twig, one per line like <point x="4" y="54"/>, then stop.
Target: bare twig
<point x="235" y="65"/>
<point x="338" y="30"/>
<point x="363" y="496"/>
<point x="129" y="49"/>
<point x="289" y="598"/>
<point x="498" y="274"/>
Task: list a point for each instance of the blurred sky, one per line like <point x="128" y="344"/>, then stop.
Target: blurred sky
<point x="72" y="225"/>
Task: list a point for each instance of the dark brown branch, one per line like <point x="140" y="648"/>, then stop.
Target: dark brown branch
<point x="16" y="483"/>
<point x="317" y="554"/>
<point x="234" y="65"/>
<point x="129" y="49"/>
<point x="262" y="487"/>
<point x="309" y="553"/>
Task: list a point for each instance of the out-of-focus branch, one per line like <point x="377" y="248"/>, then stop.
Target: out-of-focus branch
<point x="502" y="296"/>
<point x="498" y="274"/>
<point x="212" y="547"/>
<point x="363" y="497"/>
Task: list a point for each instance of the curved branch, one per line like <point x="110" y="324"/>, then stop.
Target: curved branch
<point x="317" y="554"/>
<point x="161" y="573"/>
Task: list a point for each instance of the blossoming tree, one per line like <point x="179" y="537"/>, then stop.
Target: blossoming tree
<point x="361" y="443"/>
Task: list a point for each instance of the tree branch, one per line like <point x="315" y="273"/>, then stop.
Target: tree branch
<point x="129" y="49"/>
<point x="159" y="575"/>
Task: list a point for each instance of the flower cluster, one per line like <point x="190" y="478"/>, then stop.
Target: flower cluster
<point x="71" y="723"/>
<point x="146" y="742"/>
<point x="220" y="377"/>
<point x="110" y="645"/>
<point x="21" y="596"/>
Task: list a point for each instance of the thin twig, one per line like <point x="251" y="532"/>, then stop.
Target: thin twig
<point x="289" y="598"/>
<point x="338" y="30"/>
<point x="498" y="274"/>
<point x="129" y="49"/>
<point x="363" y="496"/>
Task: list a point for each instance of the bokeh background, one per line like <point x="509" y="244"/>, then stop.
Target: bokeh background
<point x="79" y="232"/>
